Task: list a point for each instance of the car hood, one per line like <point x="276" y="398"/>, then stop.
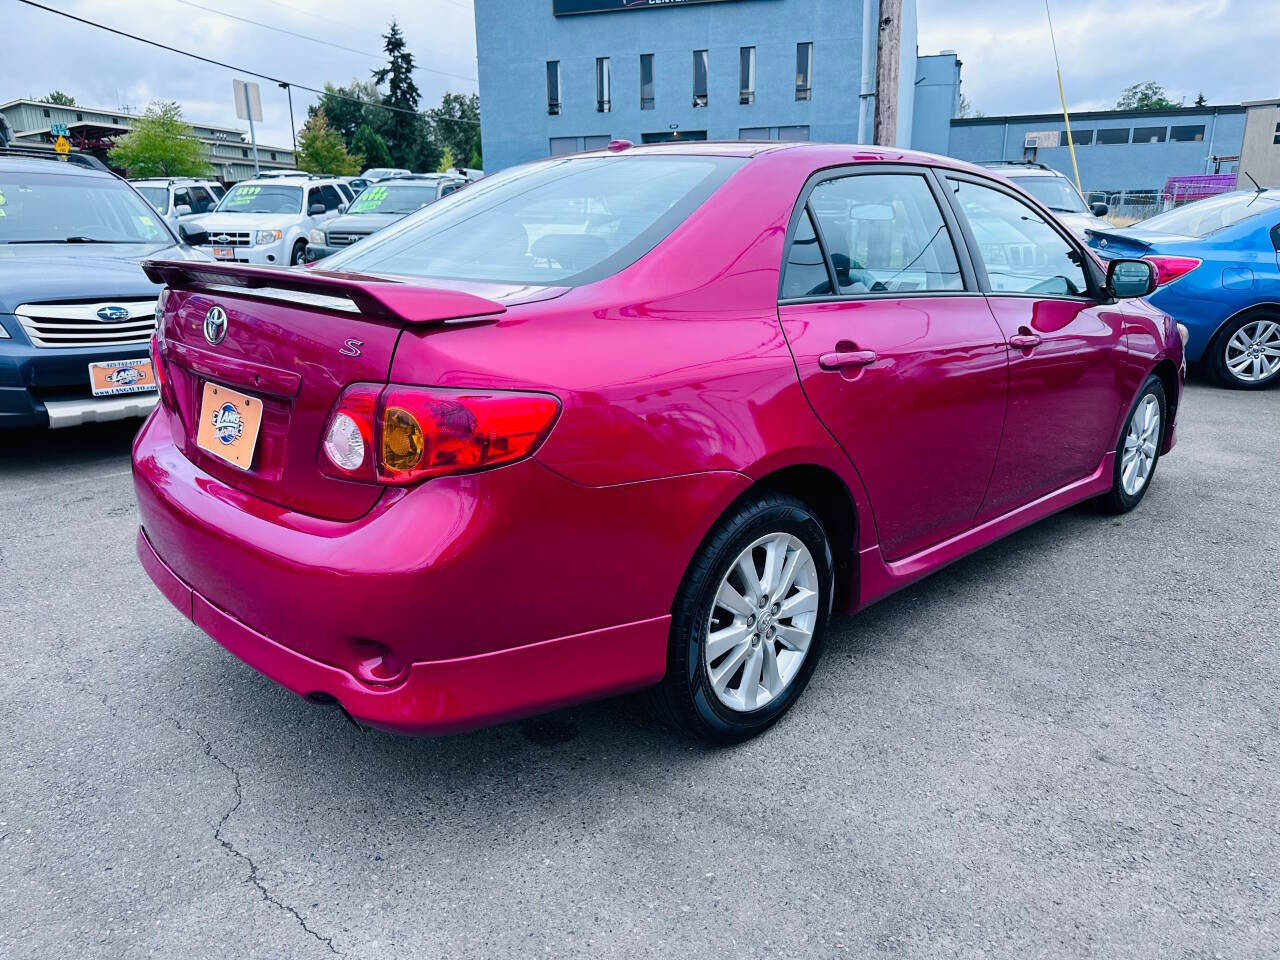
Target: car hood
<point x="362" y="222"/>
<point x="76" y="271"/>
<point x="219" y="222"/>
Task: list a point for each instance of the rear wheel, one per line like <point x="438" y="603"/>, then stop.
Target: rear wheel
<point x="1139" y="449"/>
<point x="1246" y="354"/>
<point x="748" y="625"/>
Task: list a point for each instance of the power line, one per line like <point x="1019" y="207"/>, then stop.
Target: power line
<point x="228" y="66"/>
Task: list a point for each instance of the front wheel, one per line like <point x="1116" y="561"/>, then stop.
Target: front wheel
<point x="1246" y="355"/>
<point x="1139" y="449"/>
<point x="299" y="255"/>
<point x="749" y="622"/>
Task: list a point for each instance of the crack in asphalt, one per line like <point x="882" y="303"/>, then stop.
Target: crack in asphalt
<point x="227" y="845"/>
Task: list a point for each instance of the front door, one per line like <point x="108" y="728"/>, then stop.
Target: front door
<point x="896" y="348"/>
<point x="1067" y="388"/>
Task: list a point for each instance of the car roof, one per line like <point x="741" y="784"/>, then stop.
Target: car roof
<point x="40" y="165"/>
<point x="296" y="180"/>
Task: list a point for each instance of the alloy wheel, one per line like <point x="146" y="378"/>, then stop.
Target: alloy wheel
<point x="1252" y="355"/>
<point x="762" y="622"/>
<point x="1140" y="446"/>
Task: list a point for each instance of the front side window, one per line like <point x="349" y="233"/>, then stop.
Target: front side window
<point x="699" y="78"/>
<point x="553" y="87"/>
<point x="602" y="85"/>
<point x="747" y="75"/>
<point x="646" y="81"/>
<point x="201" y="202"/>
<point x="884" y="233"/>
<point x="260" y="198"/>
<point x="330" y="197"/>
<point x="563" y="222"/>
<point x="804" y="71"/>
<point x="1022" y="253"/>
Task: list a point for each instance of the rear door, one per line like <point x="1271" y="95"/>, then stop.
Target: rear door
<point x="896" y="348"/>
<point x="1067" y="383"/>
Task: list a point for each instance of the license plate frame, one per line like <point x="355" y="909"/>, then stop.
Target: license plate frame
<point x="112" y="378"/>
<point x="230" y="422"/>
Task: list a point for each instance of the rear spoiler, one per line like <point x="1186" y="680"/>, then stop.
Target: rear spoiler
<point x="372" y="297"/>
<point x="1114" y="236"/>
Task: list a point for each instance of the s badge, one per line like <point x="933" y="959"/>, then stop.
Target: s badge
<point x="352" y="348"/>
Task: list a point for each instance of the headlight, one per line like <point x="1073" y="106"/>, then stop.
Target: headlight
<point x="266" y="236"/>
<point x="316" y="236"/>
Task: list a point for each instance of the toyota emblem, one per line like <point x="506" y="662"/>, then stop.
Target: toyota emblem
<point x="215" y="325"/>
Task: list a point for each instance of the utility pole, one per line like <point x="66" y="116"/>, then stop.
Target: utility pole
<point x="888" y="60"/>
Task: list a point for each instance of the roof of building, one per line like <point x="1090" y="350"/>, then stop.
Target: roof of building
<point x="1099" y="115"/>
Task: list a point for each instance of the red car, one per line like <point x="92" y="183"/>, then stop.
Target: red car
<point x="641" y="418"/>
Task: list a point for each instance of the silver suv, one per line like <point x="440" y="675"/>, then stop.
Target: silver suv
<point x="1055" y="191"/>
<point x="179" y="198"/>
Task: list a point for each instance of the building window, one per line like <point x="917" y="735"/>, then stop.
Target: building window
<point x="753" y="133"/>
<point x="804" y="71"/>
<point x="79" y="117"/>
<point x="798" y="132"/>
<point x="793" y="133"/>
<point x="699" y="78"/>
<point x="46" y="111"/>
<point x="273" y="154"/>
<point x="1081" y="138"/>
<point x="244" y="152"/>
<point x="1193" y="134"/>
<point x="553" y="87"/>
<point x="598" y="142"/>
<point x="1149" y="135"/>
<point x="563" y="145"/>
<point x="747" y="75"/>
<point x="1115" y="135"/>
<point x="1277" y="136"/>
<point x="602" y="84"/>
<point x="646" y="81"/>
<point x="115" y="121"/>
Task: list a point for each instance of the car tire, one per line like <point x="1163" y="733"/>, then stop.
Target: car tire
<point x="714" y="650"/>
<point x="1138" y="452"/>
<point x="1240" y="353"/>
<point x="299" y="254"/>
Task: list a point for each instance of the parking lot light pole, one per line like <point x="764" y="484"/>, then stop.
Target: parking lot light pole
<point x="1062" y="97"/>
<point x="292" y="130"/>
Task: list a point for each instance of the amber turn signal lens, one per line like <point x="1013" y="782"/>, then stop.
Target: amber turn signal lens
<point x="402" y="441"/>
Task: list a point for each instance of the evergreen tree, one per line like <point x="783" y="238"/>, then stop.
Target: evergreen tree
<point x="405" y="127"/>
<point x="1200" y="100"/>
<point x="457" y="126"/>
<point x="370" y="145"/>
<point x="58" y="98"/>
<point x="347" y="109"/>
<point x="321" y="150"/>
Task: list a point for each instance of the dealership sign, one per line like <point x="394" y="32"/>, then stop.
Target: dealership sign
<point x="562" y="8"/>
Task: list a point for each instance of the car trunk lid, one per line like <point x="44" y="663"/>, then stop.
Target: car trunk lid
<point x="292" y="341"/>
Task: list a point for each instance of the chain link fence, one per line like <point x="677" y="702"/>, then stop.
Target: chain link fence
<point x="1130" y="206"/>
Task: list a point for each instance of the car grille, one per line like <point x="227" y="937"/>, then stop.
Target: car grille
<point x="78" y="324"/>
<point x="345" y="239"/>
<point x="229" y="238"/>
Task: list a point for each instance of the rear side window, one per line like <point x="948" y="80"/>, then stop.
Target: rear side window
<point x="806" y="271"/>
<point x="565" y="221"/>
<point x="1022" y="253"/>
<point x="884" y="233"/>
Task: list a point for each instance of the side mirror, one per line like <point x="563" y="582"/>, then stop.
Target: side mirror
<point x="316" y="210"/>
<point x="1099" y="209"/>
<point x="192" y="235"/>
<point x="1130" y="278"/>
<point x="342" y="208"/>
<point x="182" y="210"/>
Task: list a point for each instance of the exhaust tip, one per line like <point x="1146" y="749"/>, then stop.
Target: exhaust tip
<point x="329" y="700"/>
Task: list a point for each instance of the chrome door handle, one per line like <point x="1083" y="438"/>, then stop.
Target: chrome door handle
<point x="848" y="358"/>
<point x="1025" y="340"/>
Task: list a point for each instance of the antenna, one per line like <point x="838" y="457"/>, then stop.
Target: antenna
<point x="1256" y="185"/>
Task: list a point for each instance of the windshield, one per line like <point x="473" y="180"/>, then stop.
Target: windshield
<point x="1056" y="193"/>
<point x="394" y="199"/>
<point x="261" y="198"/>
<point x="55" y="208"/>
<point x="158" y="197"/>
<point x="1204" y="217"/>
<point x="556" y="222"/>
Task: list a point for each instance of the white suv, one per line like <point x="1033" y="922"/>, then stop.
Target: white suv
<point x="266" y="220"/>
<point x="179" y="198"/>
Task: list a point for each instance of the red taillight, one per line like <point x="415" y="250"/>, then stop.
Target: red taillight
<point x="413" y="433"/>
<point x="161" y="373"/>
<point x="1170" y="268"/>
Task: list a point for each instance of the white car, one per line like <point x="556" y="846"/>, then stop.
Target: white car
<point x="1056" y="192"/>
<point x="179" y="198"/>
<point x="266" y="220"/>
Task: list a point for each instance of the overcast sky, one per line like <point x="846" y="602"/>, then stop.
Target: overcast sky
<point x="1225" y="48"/>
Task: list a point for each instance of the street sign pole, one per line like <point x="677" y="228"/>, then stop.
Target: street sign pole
<point x="253" y="137"/>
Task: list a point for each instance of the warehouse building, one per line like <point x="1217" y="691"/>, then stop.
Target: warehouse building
<point x="94" y="130"/>
<point x="559" y="76"/>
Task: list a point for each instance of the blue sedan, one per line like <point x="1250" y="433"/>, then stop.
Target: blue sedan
<point x="1218" y="270"/>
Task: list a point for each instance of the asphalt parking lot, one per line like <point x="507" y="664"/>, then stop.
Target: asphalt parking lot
<point x="1064" y="746"/>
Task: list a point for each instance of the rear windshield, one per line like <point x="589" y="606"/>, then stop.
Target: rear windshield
<point x="561" y="222"/>
<point x="1204" y="217"/>
<point x="158" y="197"/>
<point x="55" y="208"/>
<point x="261" y="198"/>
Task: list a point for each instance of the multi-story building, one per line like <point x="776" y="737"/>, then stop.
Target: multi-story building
<point x="94" y="130"/>
<point x="558" y="76"/>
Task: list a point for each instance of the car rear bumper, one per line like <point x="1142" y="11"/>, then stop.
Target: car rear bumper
<point x="441" y="696"/>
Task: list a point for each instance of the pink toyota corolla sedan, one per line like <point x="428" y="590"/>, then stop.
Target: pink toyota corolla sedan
<point x="641" y="418"/>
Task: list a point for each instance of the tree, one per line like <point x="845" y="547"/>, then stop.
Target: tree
<point x="1200" y="100"/>
<point x="321" y="150"/>
<point x="457" y="126"/>
<point x="447" y="162"/>
<point x="1145" y="96"/>
<point x="161" y="145"/>
<point x="58" y="98"/>
<point x="347" y="109"/>
<point x="370" y="145"/>
<point x="405" y="128"/>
